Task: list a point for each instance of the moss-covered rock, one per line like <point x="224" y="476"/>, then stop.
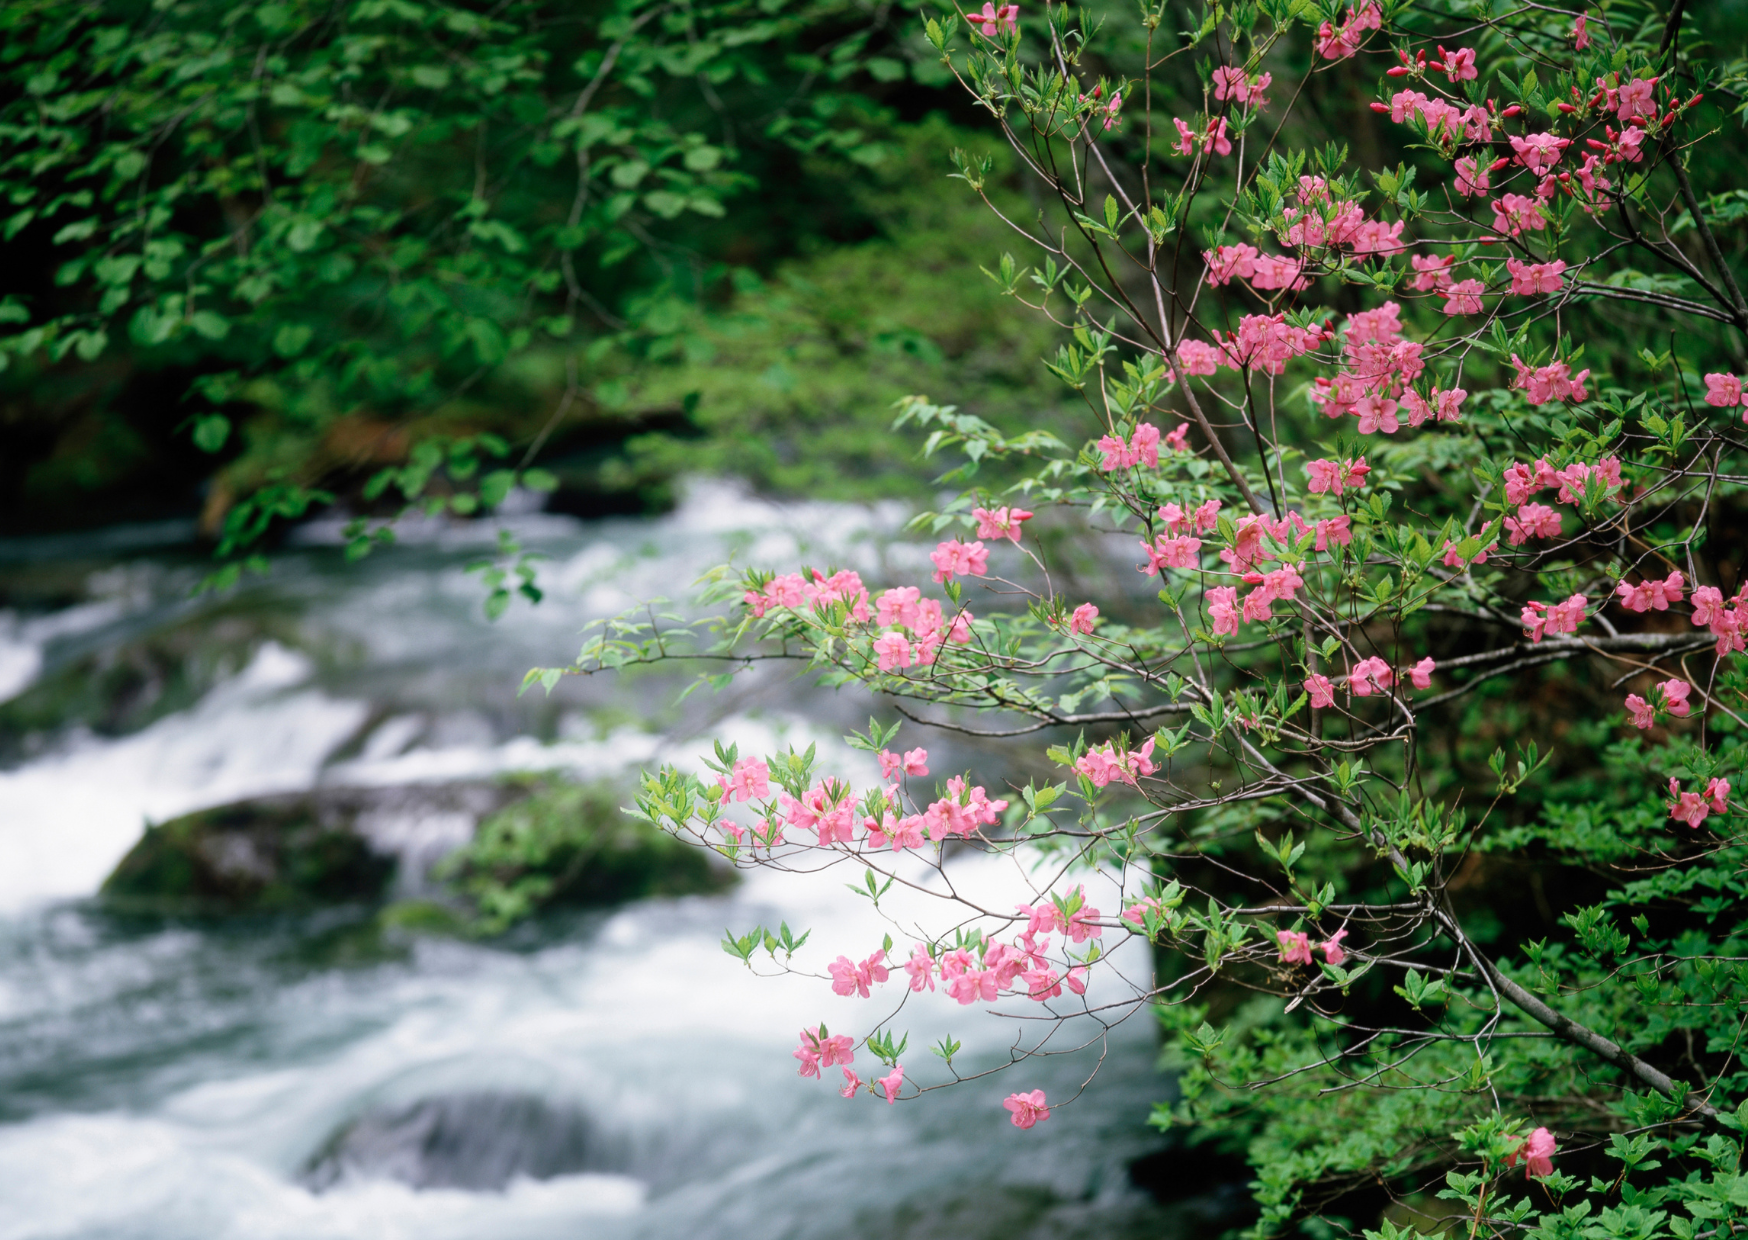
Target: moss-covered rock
<point x="571" y="844"/>
<point x="472" y="856"/>
<point x="254" y="856"/>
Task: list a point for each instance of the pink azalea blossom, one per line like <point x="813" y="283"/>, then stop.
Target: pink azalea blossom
<point x="1675" y="697"/>
<point x="1028" y="1109"/>
<point x="1331" y="947"/>
<point x="1223" y="610"/>
<point x="959" y="558"/>
<point x="1651" y="595"/>
<point x="1580" y="32"/>
<point x="1535" y="277"/>
<point x="1370" y="676"/>
<point x="1431" y="272"/>
<point x="1460" y="64"/>
<point x="1083" y="619"/>
<point x="891" y="1083"/>
<point x="1001" y="523"/>
<point x="1179" y="439"/>
<point x="1321" y="689"/>
<point x="1718" y="793"/>
<point x="1171" y="552"/>
<point x="992" y="20"/>
<point x="1723" y="390"/>
<point x="1532" y="521"/>
<point x="1186" y="137"/>
<point x="1464" y="298"/>
<point x="750" y="779"/>
<point x="1539" y="152"/>
<point x="1637" y="100"/>
<point x="1472" y="178"/>
<point x="1537" y="1153"/>
<point x="1420" y="675"/>
<point x="1331" y="477"/>
<point x="1197" y="357"/>
<point x="1644" y="713"/>
<point x="1295" y="946"/>
<point x="1540" y="619"/>
<point x="852" y="978"/>
<point x="852" y="1083"/>
<point x="1688" y="807"/>
<point x="1514" y="214"/>
<point x="893" y="650"/>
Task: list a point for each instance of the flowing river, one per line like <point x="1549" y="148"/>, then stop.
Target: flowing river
<point x="603" y="1075"/>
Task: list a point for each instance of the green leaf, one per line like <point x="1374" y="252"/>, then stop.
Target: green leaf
<point x="211" y="431"/>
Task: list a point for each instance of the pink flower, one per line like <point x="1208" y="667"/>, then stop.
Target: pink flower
<point x="1197" y="357"/>
<point x="1328" y="476"/>
<point x="1539" y="152"/>
<point x="1718" y="793"/>
<point x="1179" y="439"/>
<point x="1274" y="271"/>
<point x="1002" y="523"/>
<point x="750" y="779"/>
<point x="1223" y="610"/>
<point x="1164" y="552"/>
<point x="1230" y="82"/>
<point x="1460" y="64"/>
<point x="1432" y="272"/>
<point x="852" y="1083"/>
<point x="1540" y="618"/>
<point x="1028" y="1109"/>
<point x="993" y="19"/>
<point x="1638" y="100"/>
<point x="1535" y="277"/>
<point x="958" y="558"/>
<point x="1465" y="298"/>
<point x="1334" y="530"/>
<point x="1532" y="521"/>
<point x="891" y="1083"/>
<point x="1724" y="391"/>
<point x="1675" y="697"/>
<point x="1651" y="595"/>
<point x="894" y="651"/>
<point x="1331" y="947"/>
<point x="817" y="1051"/>
<point x="1537" y="1152"/>
<point x="1083" y="923"/>
<point x="1370" y="676"/>
<point x="1321" y="689"/>
<point x="1644" y="714"/>
<point x="1580" y="35"/>
<point x="1688" y="807"/>
<point x="849" y="977"/>
<point x="1186" y="145"/>
<point x="1217" y="138"/>
<point x="1420" y="675"/>
<point x="1144" y="445"/>
<point x="1514" y="214"/>
<point x="1083" y="619"/>
<point x="1472" y="178"/>
<point x="1295" y="946"/>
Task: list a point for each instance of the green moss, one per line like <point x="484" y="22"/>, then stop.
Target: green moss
<point x="251" y="857"/>
<point x="570" y="844"/>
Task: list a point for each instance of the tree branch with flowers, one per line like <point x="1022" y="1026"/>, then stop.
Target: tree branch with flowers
<point x="1414" y="762"/>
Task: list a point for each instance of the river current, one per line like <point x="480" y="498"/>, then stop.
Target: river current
<point x="603" y="1075"/>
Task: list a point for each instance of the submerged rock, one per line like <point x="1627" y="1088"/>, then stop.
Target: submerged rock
<point x="475" y="1141"/>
